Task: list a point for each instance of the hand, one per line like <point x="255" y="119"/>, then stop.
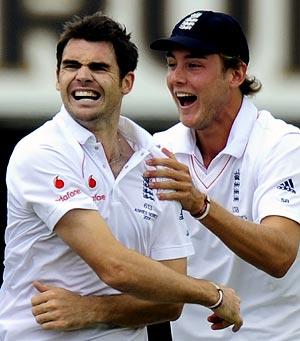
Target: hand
<point x="228" y="313"/>
<point x="60" y="309"/>
<point x="179" y="182"/>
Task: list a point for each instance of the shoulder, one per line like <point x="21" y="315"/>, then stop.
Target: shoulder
<point x="273" y="141"/>
<point x="270" y="131"/>
<point x="45" y="144"/>
<point x="168" y="136"/>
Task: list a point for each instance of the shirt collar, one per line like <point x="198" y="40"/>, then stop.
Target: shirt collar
<point x="135" y="134"/>
<point x="185" y="141"/>
<point x="241" y="129"/>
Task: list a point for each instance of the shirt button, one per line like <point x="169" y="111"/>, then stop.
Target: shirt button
<point x="96" y="147"/>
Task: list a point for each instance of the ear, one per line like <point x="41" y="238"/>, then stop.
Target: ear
<point x="57" y="81"/>
<point x="127" y="83"/>
<point x="238" y="75"/>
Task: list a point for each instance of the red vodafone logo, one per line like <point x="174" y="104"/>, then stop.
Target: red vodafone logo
<point x="92" y="182"/>
<point x="58" y="183"/>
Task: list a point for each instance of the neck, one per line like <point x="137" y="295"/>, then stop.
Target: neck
<point x="210" y="145"/>
<point x="106" y="132"/>
<point x="120" y="155"/>
<point x="213" y="139"/>
<point x="117" y="151"/>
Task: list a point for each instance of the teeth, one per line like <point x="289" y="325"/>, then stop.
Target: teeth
<point x="183" y="94"/>
<point x="85" y="93"/>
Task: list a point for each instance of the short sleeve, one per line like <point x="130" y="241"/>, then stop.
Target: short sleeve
<point x="171" y="237"/>
<point x="47" y="182"/>
<point x="278" y="190"/>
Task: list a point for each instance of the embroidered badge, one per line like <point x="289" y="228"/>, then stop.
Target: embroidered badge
<point x="190" y="21"/>
<point x="236" y="185"/>
<point x="147" y="192"/>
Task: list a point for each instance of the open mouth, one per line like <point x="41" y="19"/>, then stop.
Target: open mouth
<point x="185" y="98"/>
<point x="86" y="95"/>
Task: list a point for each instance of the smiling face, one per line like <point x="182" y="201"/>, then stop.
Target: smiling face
<point x="200" y="87"/>
<point x="89" y="82"/>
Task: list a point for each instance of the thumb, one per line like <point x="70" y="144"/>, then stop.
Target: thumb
<point x="41" y="287"/>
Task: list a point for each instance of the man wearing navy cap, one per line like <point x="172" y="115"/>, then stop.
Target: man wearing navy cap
<point x="238" y="181"/>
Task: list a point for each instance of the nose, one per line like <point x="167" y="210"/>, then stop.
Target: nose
<point x="84" y="74"/>
<point x="177" y="75"/>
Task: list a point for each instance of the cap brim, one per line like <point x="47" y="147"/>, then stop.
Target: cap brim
<point x="167" y="44"/>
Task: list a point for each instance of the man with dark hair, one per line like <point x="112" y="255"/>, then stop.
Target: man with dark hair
<point x="239" y="179"/>
<point x="81" y="215"/>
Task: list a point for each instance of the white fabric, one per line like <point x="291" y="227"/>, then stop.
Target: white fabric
<point x="250" y="178"/>
<point x="58" y="167"/>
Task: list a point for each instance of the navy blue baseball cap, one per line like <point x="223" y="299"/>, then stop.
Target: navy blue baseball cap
<point x="208" y="32"/>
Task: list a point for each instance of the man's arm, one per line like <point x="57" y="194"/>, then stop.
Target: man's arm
<point x="86" y="232"/>
<point x="271" y="246"/>
<point x="69" y="311"/>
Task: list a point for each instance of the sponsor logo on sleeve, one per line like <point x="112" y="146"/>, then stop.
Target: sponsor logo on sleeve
<point x="288" y="186"/>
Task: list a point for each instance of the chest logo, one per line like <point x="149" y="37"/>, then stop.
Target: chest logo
<point x="236" y="185"/>
<point x="58" y="182"/>
<point x="92" y="182"/>
<point x="147" y="192"/>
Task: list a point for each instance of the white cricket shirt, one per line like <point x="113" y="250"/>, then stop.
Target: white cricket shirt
<point x="59" y="167"/>
<point x="256" y="175"/>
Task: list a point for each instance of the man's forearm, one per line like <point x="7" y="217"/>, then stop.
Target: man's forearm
<point x="128" y="311"/>
<point x="73" y="311"/>
<point x="62" y="309"/>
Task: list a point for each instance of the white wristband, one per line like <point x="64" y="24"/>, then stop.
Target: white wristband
<point x="221" y="296"/>
<point x="205" y="211"/>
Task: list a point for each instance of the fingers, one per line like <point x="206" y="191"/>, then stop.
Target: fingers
<point x="170" y="162"/>
<point x="168" y="153"/>
<point x="168" y="172"/>
<point x="39" y="299"/>
<point x="214" y="318"/>
<point x="224" y="324"/>
<point x="43" y="318"/>
<point x="41" y="287"/>
<point x="39" y="309"/>
<point x="42" y="314"/>
<point x="50" y="321"/>
<point x="228" y="314"/>
<point x="46" y="293"/>
<point x="220" y="323"/>
<point x="48" y="316"/>
<point x="237" y="326"/>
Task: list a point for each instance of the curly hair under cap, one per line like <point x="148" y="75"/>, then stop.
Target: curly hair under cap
<point x="251" y="84"/>
<point x="99" y="27"/>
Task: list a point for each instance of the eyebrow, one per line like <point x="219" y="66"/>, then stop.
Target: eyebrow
<point x="90" y="65"/>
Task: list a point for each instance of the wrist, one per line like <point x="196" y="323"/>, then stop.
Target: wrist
<point x="94" y="311"/>
<point x="220" y="298"/>
<point x="203" y="212"/>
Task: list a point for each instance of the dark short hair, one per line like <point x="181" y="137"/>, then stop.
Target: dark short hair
<point x="99" y="27"/>
<point x="251" y="84"/>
